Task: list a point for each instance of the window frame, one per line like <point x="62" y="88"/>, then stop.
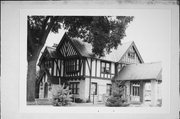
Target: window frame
<point x="135" y="85"/>
<point x="75" y="87"/>
<point x="131" y="55"/>
<point x="72" y="66"/>
<point x="105" y="69"/>
<point x="109" y="89"/>
<point x="94" y="83"/>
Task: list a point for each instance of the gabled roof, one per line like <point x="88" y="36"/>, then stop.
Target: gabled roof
<point x="85" y="49"/>
<point x="50" y="52"/>
<point x="140" y="71"/>
<point x="131" y="44"/>
<point x="117" y="54"/>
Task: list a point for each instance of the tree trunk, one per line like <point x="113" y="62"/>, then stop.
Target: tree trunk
<point x="32" y="85"/>
<point x="31" y="75"/>
<point x="31" y="79"/>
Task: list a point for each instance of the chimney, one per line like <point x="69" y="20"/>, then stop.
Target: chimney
<point x="55" y="45"/>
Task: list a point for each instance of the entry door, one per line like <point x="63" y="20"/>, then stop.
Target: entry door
<point x="46" y="90"/>
<point x="135" y="91"/>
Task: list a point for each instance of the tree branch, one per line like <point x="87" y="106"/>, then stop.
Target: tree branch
<point x="44" y="25"/>
<point x="30" y="44"/>
<point x="46" y="32"/>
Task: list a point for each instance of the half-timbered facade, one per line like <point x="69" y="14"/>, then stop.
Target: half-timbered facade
<point x="73" y="64"/>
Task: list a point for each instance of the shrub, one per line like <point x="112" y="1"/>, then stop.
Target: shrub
<point x="77" y="100"/>
<point x="159" y="102"/>
<point x="117" y="99"/>
<point x="116" y="102"/>
<point x="61" y="96"/>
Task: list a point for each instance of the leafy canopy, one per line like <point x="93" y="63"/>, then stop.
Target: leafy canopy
<point x="102" y="32"/>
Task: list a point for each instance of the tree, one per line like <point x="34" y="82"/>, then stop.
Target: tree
<point x="62" y="96"/>
<point x="103" y="32"/>
<point x="118" y="98"/>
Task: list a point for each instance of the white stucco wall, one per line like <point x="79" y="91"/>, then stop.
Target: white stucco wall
<point x="41" y="92"/>
<point x="53" y="90"/>
<point x="127" y="84"/>
<point x="101" y="88"/>
<point x="113" y="68"/>
<point x="86" y="91"/>
<point x="159" y="90"/>
<point x="88" y="64"/>
<point x="50" y="91"/>
<point x="98" y="68"/>
<point x="93" y="67"/>
<point x="153" y="92"/>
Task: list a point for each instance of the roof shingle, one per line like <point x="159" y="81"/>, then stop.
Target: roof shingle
<point x="52" y="52"/>
<point x="85" y="49"/>
<point x="140" y="71"/>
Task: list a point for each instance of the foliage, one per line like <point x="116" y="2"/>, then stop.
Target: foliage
<point x="159" y="102"/>
<point x="103" y="32"/>
<point x="117" y="99"/>
<point x="77" y="100"/>
<point x="61" y="96"/>
<point x="116" y="102"/>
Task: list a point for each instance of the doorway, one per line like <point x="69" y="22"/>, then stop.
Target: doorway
<point x="46" y="90"/>
<point x="135" y="91"/>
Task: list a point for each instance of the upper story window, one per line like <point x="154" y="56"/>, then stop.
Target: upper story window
<point x="105" y="67"/>
<point x="131" y="55"/>
<point x="48" y="63"/>
<point x="72" y="65"/>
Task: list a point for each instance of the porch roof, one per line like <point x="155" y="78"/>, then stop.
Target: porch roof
<point x="145" y="71"/>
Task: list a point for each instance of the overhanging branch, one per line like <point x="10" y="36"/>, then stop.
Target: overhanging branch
<point x="46" y="32"/>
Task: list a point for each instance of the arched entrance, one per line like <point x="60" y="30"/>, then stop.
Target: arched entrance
<point x="46" y="90"/>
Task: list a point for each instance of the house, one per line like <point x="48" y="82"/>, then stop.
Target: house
<point x="72" y="63"/>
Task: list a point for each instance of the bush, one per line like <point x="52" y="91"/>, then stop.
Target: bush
<point x="116" y="102"/>
<point x="117" y="99"/>
<point x="159" y="102"/>
<point x="61" y="96"/>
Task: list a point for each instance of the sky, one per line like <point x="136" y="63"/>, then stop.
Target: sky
<point x="150" y="30"/>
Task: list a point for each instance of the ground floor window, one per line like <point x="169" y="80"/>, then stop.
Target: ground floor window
<point x="94" y="88"/>
<point x="135" y="87"/>
<point x="108" y="89"/>
<point x="74" y="87"/>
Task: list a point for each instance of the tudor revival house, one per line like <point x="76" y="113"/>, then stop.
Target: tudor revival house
<point x="73" y="64"/>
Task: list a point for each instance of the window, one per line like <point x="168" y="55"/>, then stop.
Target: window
<point x="94" y="88"/>
<point x="108" y="89"/>
<point x="131" y="55"/>
<point x="105" y="67"/>
<point x="135" y="88"/>
<point x="72" y="66"/>
<point x="74" y="87"/>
